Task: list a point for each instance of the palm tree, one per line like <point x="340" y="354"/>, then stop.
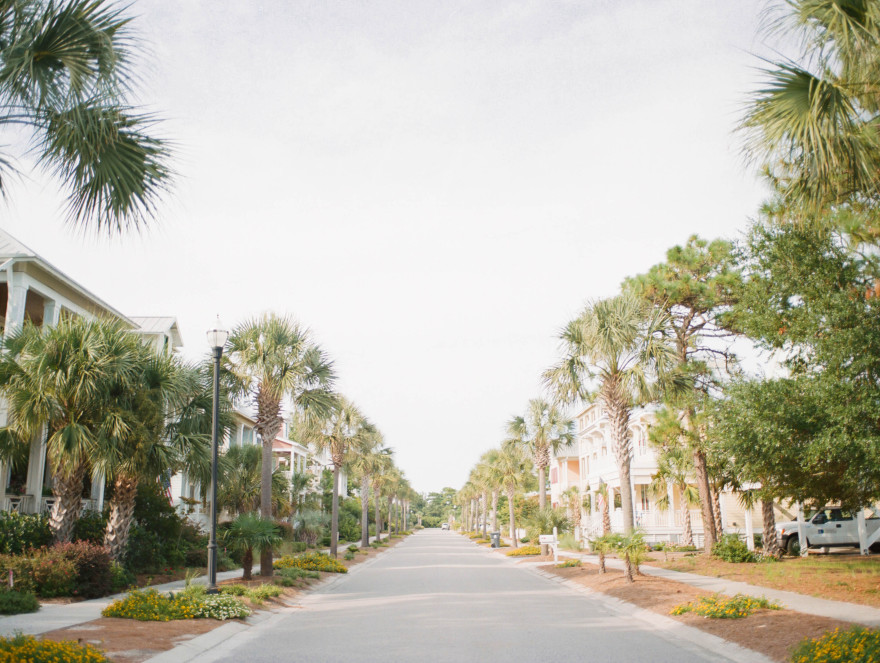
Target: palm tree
<point x="62" y="378"/>
<point x="542" y="430"/>
<point x="239" y="485"/>
<point x="571" y="499"/>
<point x="272" y="358"/>
<point x="338" y="432"/>
<point x="604" y="497"/>
<point x="813" y="126"/>
<point x="369" y="459"/>
<point x="157" y="421"/>
<point x="247" y="533"/>
<point x="66" y="70"/>
<point x="675" y="465"/>
<point x="512" y="467"/>
<point x="615" y="352"/>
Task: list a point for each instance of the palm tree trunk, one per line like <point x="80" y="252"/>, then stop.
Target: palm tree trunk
<point x="485" y="514"/>
<point x="334" y="517"/>
<point x="627" y="568"/>
<point x="512" y="523"/>
<point x="542" y="478"/>
<point x="601" y="561"/>
<point x="390" y="514"/>
<point x="716" y="513"/>
<point x="606" y="512"/>
<point x="706" y="512"/>
<point x="365" y="511"/>
<point x="268" y="425"/>
<point x="121" y="515"/>
<point x="769" y="535"/>
<point x="618" y="416"/>
<point x="494" y="510"/>
<point x="247" y="564"/>
<point x="378" y="517"/>
<point x="688" y="539"/>
<point x="68" y="503"/>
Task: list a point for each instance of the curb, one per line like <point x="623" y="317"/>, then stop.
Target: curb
<point x="202" y="644"/>
<point x="666" y="627"/>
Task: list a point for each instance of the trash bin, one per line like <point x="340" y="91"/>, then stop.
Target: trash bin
<point x="496" y="539"/>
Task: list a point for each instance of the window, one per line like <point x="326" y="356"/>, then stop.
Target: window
<point x="247" y="436"/>
<point x="644" y="498"/>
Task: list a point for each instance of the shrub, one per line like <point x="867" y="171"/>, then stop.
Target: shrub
<point x="569" y="542"/>
<point x="854" y="645"/>
<point x="50" y="572"/>
<point x="234" y="590"/>
<point x="220" y="606"/>
<point x="349" y="555"/>
<point x="263" y="592"/>
<point x="569" y="563"/>
<point x="15" y="603"/>
<point x="294" y="573"/>
<point x="285" y="530"/>
<point x="723" y="607"/>
<point x="524" y="551"/>
<point x="299" y="546"/>
<point x="93" y="574"/>
<point x="731" y="549"/>
<point x="148" y="605"/>
<point x="544" y="520"/>
<point x="315" y="561"/>
<point x="20" y="532"/>
<point x="90" y="527"/>
<point x="120" y="578"/>
<point x="28" y="648"/>
<point x="353" y="548"/>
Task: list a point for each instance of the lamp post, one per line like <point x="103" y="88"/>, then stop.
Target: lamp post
<point x="217" y="340"/>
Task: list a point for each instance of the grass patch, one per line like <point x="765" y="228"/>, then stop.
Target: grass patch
<point x="724" y="607"/>
<point x="569" y="563"/>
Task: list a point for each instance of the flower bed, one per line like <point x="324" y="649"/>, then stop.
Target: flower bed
<point x="524" y="551"/>
<point x="27" y="648"/>
<point x="855" y="645"/>
<point x="315" y="561"/>
<point x="723" y="607"/>
<point x="150" y="605"/>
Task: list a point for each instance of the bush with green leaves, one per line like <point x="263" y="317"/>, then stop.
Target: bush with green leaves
<point x="94" y="577"/>
<point x="120" y="578"/>
<point x="314" y="561"/>
<point x="732" y="549"/>
<point x="349" y="555"/>
<point x="192" y="603"/>
<point x="20" y="532"/>
<point x="90" y="527"/>
<point x="853" y="645"/>
<point x="725" y="607"/>
<point x="27" y="648"/>
<point x="45" y="572"/>
<point x="219" y="606"/>
<point x="569" y="563"/>
<point x="15" y="603"/>
<point x="542" y="521"/>
<point x="524" y="551"/>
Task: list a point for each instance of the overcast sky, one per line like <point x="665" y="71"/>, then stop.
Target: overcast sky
<point x="433" y="187"/>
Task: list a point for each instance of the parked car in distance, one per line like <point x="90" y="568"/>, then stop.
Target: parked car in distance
<point x="827" y="528"/>
<point x="444" y="526"/>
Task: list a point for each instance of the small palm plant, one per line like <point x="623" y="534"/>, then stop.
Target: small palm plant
<point x="249" y="533"/>
<point x="602" y="545"/>
<point x="632" y="547"/>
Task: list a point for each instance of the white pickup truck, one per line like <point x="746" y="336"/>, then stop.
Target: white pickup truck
<point x="828" y="527"/>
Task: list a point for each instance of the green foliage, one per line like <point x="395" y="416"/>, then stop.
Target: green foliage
<point x="569" y="542"/>
<point x="46" y="573"/>
<point x="853" y="645"/>
<point x="92" y="563"/>
<point x="309" y="526"/>
<point x="120" y="578"/>
<point x="315" y="561"/>
<point x="732" y="549"/>
<point x="20" y="532"/>
<point x="569" y="563"/>
<point x="353" y="548"/>
<point x="90" y="527"/>
<point x="192" y="603"/>
<point x="13" y="602"/>
<point x="723" y="607"/>
<point x="263" y="592"/>
<point x="27" y="648"/>
<point x="349" y="555"/>
<point x="542" y="521"/>
<point x="160" y="538"/>
<point x="524" y="551"/>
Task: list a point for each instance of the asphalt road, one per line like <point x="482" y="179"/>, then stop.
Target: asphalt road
<point x="438" y="597"/>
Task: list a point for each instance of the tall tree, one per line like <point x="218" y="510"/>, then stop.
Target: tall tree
<point x="695" y="288"/>
<point x="617" y="352"/>
<point x="269" y="359"/>
<point x="239" y="485"/>
<point x="63" y="378"/>
<point x="369" y="458"/>
<point x="813" y="127"/>
<point x="65" y="74"/>
<point x="338" y="432"/>
<point x="543" y="430"/>
<point x="512" y="467"/>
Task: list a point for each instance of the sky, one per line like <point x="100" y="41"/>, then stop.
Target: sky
<point x="433" y="187"/>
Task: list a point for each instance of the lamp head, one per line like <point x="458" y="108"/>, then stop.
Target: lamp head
<point x="217" y="336"/>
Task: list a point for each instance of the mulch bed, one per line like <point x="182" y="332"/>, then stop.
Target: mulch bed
<point x="774" y="633"/>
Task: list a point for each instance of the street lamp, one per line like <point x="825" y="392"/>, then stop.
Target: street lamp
<point x="216" y="340"/>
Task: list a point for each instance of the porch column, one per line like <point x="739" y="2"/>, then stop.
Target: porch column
<point x="15" y="303"/>
<point x="36" y="467"/>
<point x="670" y="513"/>
<point x="97" y="492"/>
<point x="51" y="313"/>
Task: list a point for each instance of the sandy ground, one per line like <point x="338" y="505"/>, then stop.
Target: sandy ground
<point x="774" y="633"/>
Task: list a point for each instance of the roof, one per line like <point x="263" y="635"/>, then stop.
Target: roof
<point x="13" y="250"/>
<point x="160" y="325"/>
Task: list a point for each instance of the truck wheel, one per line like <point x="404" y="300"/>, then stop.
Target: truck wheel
<point x="793" y="546"/>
